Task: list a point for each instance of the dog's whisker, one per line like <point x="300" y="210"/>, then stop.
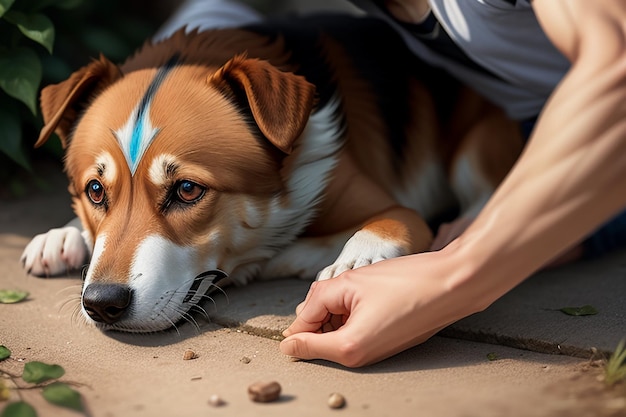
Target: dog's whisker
<point x="78" y="318"/>
<point x="215" y="287"/>
<point x="73" y="302"/>
<point x="202" y="311"/>
<point x="183" y="315"/>
<point x="161" y="314"/>
<point x="191" y="320"/>
<point x="69" y="299"/>
<point x="71" y="288"/>
<point x="187" y="316"/>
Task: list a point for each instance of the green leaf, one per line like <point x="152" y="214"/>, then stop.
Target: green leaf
<point x="38" y="372"/>
<point x="11" y="138"/>
<point x="62" y="395"/>
<point x="20" y="75"/>
<point x="585" y="310"/>
<point x="5" y="5"/>
<point x="35" y="26"/>
<point x="19" y="409"/>
<point x="4" y="352"/>
<point x="492" y="356"/>
<point x="12" y="296"/>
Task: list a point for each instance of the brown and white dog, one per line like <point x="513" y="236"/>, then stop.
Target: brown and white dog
<point x="277" y="150"/>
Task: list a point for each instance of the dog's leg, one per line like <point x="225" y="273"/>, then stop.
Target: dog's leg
<point x="57" y="251"/>
<point x="489" y="147"/>
<point x="396" y="232"/>
<point x="305" y="257"/>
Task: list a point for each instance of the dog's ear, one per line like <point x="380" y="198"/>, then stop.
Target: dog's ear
<point x="280" y="102"/>
<point x="61" y="103"/>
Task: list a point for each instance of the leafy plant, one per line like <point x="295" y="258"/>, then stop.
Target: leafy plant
<point x="615" y="368"/>
<point x="41" y="376"/>
<point x="23" y="28"/>
<point x="62" y="395"/>
<point x="42" y="42"/>
<point x="4" y="353"/>
<point x="38" y="372"/>
<point x="19" y="409"/>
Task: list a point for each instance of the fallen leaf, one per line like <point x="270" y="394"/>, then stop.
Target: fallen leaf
<point x="12" y="296"/>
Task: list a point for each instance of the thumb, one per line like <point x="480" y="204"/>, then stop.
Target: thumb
<point x="326" y="346"/>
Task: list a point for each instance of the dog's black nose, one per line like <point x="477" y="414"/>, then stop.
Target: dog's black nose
<point x="106" y="303"/>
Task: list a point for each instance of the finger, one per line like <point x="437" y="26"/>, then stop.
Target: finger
<point x="340" y="347"/>
<point x="299" y="307"/>
<point x="333" y="323"/>
<point x="309" y="346"/>
<point x="325" y="298"/>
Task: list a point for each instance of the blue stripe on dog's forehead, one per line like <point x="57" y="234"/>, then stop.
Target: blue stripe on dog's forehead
<point x="137" y="134"/>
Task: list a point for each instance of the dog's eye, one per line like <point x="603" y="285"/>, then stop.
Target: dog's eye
<point x="189" y="192"/>
<point x="95" y="192"/>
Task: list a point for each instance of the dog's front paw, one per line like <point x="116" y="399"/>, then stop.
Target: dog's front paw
<point x="55" y="252"/>
<point x="364" y="248"/>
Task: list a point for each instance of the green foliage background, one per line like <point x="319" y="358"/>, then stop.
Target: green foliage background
<point x="42" y="42"/>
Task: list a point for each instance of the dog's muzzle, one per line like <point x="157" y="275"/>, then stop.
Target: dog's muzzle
<point x="109" y="303"/>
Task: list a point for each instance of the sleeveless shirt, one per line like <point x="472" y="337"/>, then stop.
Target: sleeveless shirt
<point x="495" y="46"/>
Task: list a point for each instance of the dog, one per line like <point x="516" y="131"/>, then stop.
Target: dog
<point x="282" y="149"/>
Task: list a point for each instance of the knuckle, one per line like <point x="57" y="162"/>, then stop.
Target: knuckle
<point x="351" y="353"/>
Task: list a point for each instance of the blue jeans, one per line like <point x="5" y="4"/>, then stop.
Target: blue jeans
<point x="608" y="237"/>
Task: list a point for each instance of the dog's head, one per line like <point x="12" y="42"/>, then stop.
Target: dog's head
<point x="175" y="173"/>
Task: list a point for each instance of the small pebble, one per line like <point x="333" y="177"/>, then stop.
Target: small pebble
<point x="264" y="392"/>
<point x="189" y="355"/>
<point x="245" y="359"/>
<point x="336" y="400"/>
<point x="216" y="401"/>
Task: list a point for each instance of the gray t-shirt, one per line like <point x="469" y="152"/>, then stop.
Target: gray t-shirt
<point x="495" y="46"/>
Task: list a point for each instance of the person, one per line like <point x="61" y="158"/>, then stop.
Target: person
<point x="561" y="60"/>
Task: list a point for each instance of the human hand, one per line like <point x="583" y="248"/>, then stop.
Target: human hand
<point x="371" y="313"/>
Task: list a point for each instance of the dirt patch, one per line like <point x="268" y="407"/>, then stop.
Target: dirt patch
<point x="586" y="392"/>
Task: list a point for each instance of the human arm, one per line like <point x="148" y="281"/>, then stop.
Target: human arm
<point x="570" y="179"/>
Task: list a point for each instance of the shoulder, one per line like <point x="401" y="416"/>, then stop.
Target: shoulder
<point x="577" y="27"/>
